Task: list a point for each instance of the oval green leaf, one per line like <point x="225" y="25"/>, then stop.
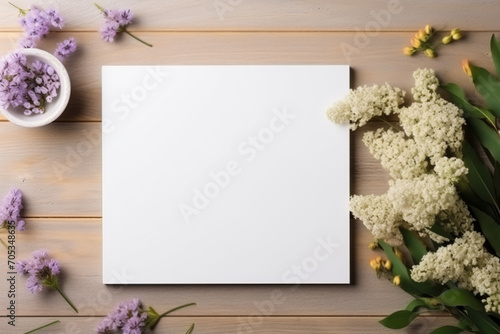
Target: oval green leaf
<point x="399" y="319"/>
<point x="487" y="136"/>
<point x="482" y="321"/>
<point x="495" y="53"/>
<point x="414" y="245"/>
<point x="447" y="330"/>
<point x="489" y="227"/>
<point x="488" y="86"/>
<point x="460" y="297"/>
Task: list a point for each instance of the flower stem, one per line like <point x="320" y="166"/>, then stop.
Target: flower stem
<point x="44" y="326"/>
<point x="190" y="329"/>
<point x="21" y="11"/>
<point x="65" y="298"/>
<point x="155" y="317"/>
<point x="135" y="37"/>
<point x="100" y="8"/>
<point x="3" y="243"/>
<point x="175" y="309"/>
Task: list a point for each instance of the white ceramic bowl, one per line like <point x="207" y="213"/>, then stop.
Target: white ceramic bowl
<point x="53" y="109"/>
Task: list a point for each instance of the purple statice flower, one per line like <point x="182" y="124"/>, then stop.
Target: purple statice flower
<point x="42" y="271"/>
<point x="65" y="48"/>
<point x="10" y="211"/>
<point x="128" y="317"/>
<point x="37" y="23"/>
<point x="117" y="20"/>
<point x="131" y="318"/>
<point x="28" y="85"/>
<point x="108" y="30"/>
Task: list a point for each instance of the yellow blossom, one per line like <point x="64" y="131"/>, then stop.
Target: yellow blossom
<point x="409" y="51"/>
<point x="447" y="39"/>
<point x="466" y="67"/>
<point x="428" y="29"/>
<point x="388" y="264"/>
<point x="396" y="280"/>
<point x="416" y="43"/>
<point x="430" y="53"/>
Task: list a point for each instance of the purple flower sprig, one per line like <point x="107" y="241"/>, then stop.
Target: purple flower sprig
<point x="117" y="20"/>
<point x="28" y="85"/>
<point x="37" y="23"/>
<point x="131" y="318"/>
<point x="42" y="272"/>
<point x="10" y="214"/>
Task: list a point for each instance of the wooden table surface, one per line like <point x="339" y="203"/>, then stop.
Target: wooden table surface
<point x="63" y="210"/>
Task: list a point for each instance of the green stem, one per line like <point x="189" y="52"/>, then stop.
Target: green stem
<point x="389" y="123"/>
<point x="44" y="326"/>
<point x="190" y="329"/>
<point x="21" y="11"/>
<point x="135" y="37"/>
<point x="100" y="8"/>
<point x="3" y="243"/>
<point x="175" y="309"/>
<point x="65" y="298"/>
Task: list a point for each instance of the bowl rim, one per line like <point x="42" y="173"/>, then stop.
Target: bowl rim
<point x="64" y="91"/>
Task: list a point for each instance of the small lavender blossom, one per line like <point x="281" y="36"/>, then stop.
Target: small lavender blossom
<point x="10" y="211"/>
<point x="131" y="318"/>
<point x="37" y="23"/>
<point x="65" y="48"/>
<point x="117" y="20"/>
<point x="27" y="85"/>
<point x="42" y="271"/>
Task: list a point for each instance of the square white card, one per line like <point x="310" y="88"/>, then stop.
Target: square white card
<point x="224" y="174"/>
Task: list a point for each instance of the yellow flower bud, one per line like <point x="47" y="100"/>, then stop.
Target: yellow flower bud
<point x="420" y="34"/>
<point x="416" y="43"/>
<point x="375" y="264"/>
<point x="388" y="265"/>
<point x="378" y="259"/>
<point x="466" y="67"/>
<point x="396" y="280"/>
<point x="430" y="53"/>
<point x="456" y="36"/>
<point x="455" y="31"/>
<point x="428" y="29"/>
<point x="373" y="245"/>
<point x="409" y="51"/>
<point x="398" y="254"/>
<point x="447" y="39"/>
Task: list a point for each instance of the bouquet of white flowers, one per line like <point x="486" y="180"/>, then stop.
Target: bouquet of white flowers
<point x="442" y="206"/>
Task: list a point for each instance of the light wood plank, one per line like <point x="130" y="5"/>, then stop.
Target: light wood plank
<point x="58" y="168"/>
<point x="386" y="62"/>
<point x="205" y="15"/>
<point x="76" y="244"/>
<point x="245" y="325"/>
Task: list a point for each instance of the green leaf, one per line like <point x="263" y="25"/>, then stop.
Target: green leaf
<point x="482" y="321"/>
<point x="488" y="86"/>
<point x="414" y="304"/>
<point x="399" y="319"/>
<point x="489" y="227"/>
<point x="496" y="181"/>
<point x="190" y="329"/>
<point x="447" y="330"/>
<point x="480" y="179"/>
<point x="495" y="53"/>
<point x="487" y="136"/>
<point x="457" y="97"/>
<point x="439" y="230"/>
<point x="407" y="284"/>
<point x="414" y="245"/>
<point x="460" y="297"/>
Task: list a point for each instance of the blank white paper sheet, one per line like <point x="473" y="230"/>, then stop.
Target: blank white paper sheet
<point x="224" y="174"/>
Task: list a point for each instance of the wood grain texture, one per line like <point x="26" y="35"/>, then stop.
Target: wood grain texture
<point x="58" y="167"/>
<point x="384" y="50"/>
<point x="280" y="15"/>
<point x="243" y="325"/>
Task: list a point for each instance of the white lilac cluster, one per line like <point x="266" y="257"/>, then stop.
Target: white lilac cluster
<point x="364" y="103"/>
<point x="467" y="263"/>
<point x="423" y="159"/>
